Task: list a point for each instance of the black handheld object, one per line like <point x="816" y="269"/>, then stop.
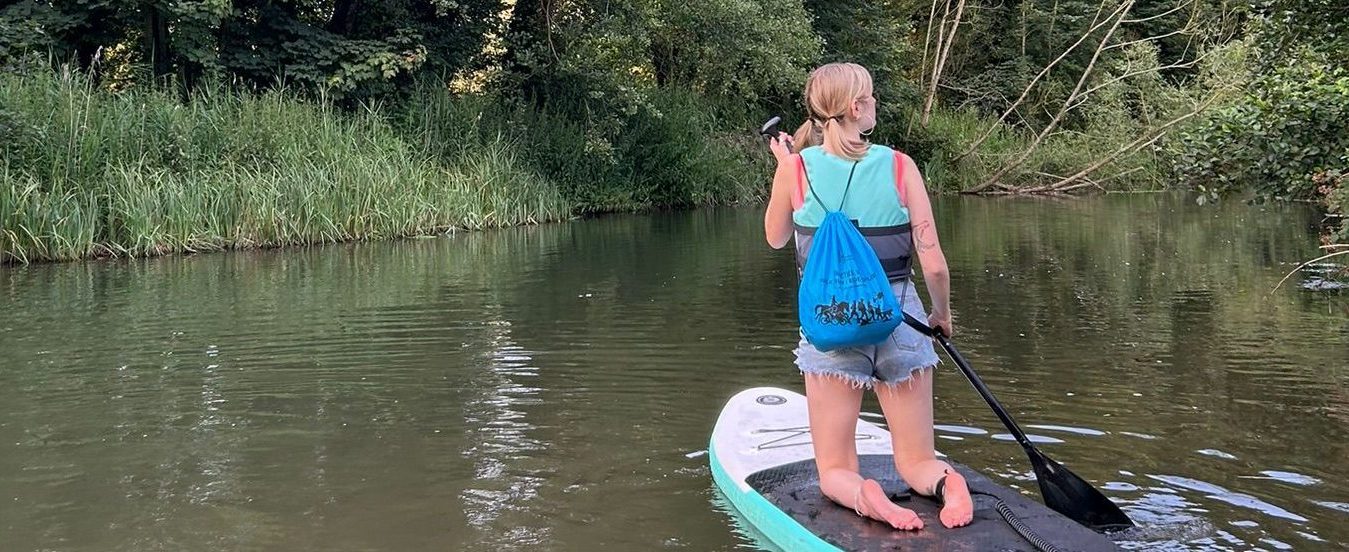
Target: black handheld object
<point x="770" y="129"/>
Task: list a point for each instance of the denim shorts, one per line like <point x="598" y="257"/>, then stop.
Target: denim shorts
<point x="889" y="362"/>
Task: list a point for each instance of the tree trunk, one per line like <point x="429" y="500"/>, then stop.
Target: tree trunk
<point x="527" y="30"/>
<point x="157" y="42"/>
<point x="344" y="17"/>
<point x="942" y="54"/>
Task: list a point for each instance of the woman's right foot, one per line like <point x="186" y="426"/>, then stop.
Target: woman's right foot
<point x="957" y="506"/>
<point x="878" y="506"/>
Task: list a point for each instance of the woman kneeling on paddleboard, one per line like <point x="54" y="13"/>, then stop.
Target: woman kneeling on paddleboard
<point x="883" y="192"/>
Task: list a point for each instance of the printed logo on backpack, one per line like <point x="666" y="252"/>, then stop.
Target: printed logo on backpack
<point x="844" y="299"/>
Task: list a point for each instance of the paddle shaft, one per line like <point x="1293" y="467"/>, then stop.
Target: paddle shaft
<point x="1063" y="491"/>
<point x="978" y="384"/>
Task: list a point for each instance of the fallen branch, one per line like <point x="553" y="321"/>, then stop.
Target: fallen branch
<point x="1056" y="189"/>
<point x="1305" y="265"/>
<point x="1053" y="123"/>
<point x="1120" y="174"/>
<point x="1043" y="72"/>
<point x="1077" y="186"/>
<point x="1134" y="146"/>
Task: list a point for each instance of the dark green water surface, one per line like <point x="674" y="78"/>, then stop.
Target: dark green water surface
<point x="542" y="388"/>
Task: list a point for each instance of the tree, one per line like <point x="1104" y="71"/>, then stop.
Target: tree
<point x="348" y="47"/>
<point x="877" y="35"/>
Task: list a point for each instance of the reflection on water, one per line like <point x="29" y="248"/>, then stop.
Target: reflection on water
<point x="1075" y="430"/>
<point x="549" y="387"/>
<point x="1287" y="477"/>
<point x="1216" y="454"/>
<point x="1215" y="492"/>
<point x="1037" y="439"/>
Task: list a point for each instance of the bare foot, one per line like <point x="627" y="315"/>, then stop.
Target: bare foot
<point x="877" y="505"/>
<point x="958" y="508"/>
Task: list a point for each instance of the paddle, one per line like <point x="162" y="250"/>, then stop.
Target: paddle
<point x="1063" y="491"/>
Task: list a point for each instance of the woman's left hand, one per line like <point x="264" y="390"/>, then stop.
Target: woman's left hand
<point x="781" y="146"/>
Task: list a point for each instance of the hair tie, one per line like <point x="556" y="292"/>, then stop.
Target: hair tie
<point x="821" y="121"/>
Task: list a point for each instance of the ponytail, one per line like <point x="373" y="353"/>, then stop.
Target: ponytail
<point x="806" y="136"/>
<point x="830" y="91"/>
<point x="834" y="141"/>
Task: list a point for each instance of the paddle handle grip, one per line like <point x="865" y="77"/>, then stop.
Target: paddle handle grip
<point x="978" y="384"/>
<point x="770" y="131"/>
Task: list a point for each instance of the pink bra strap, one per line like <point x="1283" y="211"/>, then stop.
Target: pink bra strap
<point x="799" y="198"/>
<point x="899" y="178"/>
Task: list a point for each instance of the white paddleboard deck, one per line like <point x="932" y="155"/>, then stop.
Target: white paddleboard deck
<point x="762" y="460"/>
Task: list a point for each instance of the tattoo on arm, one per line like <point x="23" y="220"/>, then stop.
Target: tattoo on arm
<point x="925" y="237"/>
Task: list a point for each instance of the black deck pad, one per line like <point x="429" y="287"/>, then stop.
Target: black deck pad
<point x="795" y="488"/>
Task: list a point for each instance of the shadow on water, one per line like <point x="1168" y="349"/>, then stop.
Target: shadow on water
<point x="539" y="388"/>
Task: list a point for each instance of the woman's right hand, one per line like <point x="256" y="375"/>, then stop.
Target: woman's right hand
<point x="781" y="146"/>
<point x="940" y="321"/>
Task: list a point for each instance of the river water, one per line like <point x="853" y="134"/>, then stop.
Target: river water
<point x="549" y="388"/>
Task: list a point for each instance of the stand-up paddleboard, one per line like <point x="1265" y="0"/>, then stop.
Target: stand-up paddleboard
<point x="762" y="460"/>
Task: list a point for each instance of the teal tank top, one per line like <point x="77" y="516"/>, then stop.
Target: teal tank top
<point x="871" y="201"/>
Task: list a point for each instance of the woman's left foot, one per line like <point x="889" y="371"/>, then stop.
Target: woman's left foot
<point x="957" y="506"/>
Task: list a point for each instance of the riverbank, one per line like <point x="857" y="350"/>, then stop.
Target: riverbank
<point x="86" y="172"/>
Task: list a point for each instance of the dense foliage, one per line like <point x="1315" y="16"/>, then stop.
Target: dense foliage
<point x="621" y="105"/>
<point x="1286" y="135"/>
<point x="349" y="47"/>
<point x="1292" y="125"/>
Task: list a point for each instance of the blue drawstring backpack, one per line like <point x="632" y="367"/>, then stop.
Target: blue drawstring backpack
<point x="844" y="299"/>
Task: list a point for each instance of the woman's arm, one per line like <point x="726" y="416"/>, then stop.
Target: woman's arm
<point x="777" y="220"/>
<point x="930" y="256"/>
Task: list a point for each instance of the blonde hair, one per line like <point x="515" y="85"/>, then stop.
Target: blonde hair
<point x="830" y="92"/>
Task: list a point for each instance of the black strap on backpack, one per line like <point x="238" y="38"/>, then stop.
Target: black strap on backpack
<point x="846" y="188"/>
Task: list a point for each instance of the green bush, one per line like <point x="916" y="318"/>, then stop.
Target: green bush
<point x="1292" y="124"/>
<point x="1333" y="188"/>
<point x="677" y="152"/>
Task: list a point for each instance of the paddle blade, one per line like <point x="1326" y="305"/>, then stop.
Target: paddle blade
<point x="1070" y="495"/>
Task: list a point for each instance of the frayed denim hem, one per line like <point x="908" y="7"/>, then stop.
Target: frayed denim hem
<point x="908" y="380"/>
<point x="858" y="381"/>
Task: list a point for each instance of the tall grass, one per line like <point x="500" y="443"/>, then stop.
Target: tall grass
<point x="87" y="173"/>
